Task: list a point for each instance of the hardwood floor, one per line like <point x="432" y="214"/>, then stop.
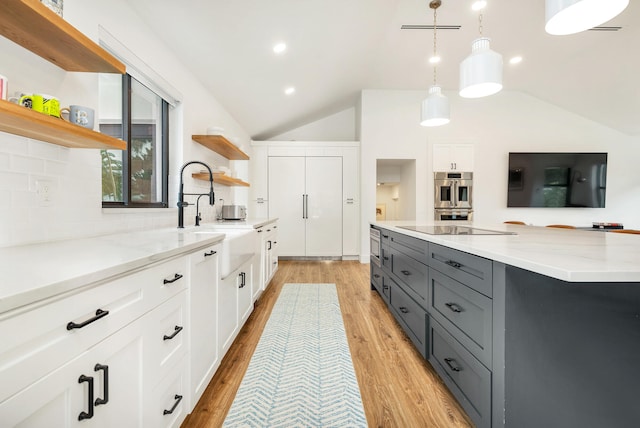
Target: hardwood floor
<point x="398" y="387"/>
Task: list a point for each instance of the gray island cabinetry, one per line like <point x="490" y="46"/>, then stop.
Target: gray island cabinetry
<point x="516" y="347"/>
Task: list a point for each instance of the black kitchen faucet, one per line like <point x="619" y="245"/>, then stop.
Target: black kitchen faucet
<point x="181" y="195"/>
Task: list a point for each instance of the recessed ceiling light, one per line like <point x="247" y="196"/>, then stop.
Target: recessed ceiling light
<point x="290" y="90"/>
<point x="515" y="60"/>
<point x="478" y="5"/>
<point x="434" y="59"/>
<point x="280" y="48"/>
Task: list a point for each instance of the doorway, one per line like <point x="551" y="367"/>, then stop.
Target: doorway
<point x="395" y="189"/>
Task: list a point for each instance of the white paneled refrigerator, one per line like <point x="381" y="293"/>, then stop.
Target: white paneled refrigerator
<point x="305" y="194"/>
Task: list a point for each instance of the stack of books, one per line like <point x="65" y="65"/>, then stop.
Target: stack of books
<point x="601" y="225"/>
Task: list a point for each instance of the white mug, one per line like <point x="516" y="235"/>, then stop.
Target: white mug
<point x="4" y="86"/>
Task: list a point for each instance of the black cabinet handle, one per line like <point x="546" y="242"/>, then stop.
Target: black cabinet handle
<point x="259" y="230"/>
<point x="454" y="264"/>
<point x="243" y="281"/>
<point x="210" y="253"/>
<point x="268" y="230"/>
<point x="450" y="362"/>
<point x="406" y="272"/>
<point x="386" y="258"/>
<point x="174" y="279"/>
<point x="375" y="275"/>
<point x="105" y="392"/>
<point x="177" y="330"/>
<point x="403" y="310"/>
<point x="99" y="314"/>
<point x="178" y="399"/>
<point x="454" y="307"/>
<point x="386" y="287"/>
<point x="385" y="236"/>
<point x="269" y="242"/>
<point x="89" y="413"/>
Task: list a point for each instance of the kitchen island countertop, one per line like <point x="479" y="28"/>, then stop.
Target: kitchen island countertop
<point x="567" y="254"/>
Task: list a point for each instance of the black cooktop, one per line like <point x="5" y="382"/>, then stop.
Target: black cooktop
<point x="454" y="230"/>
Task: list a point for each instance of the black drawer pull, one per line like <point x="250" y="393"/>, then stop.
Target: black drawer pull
<point x="386" y="258"/>
<point x="385" y="236"/>
<point x="269" y="242"/>
<point x="454" y="307"/>
<point x="453" y="264"/>
<point x="178" y="399"/>
<point x="385" y="287"/>
<point x="453" y="367"/>
<point x="174" y="279"/>
<point x="88" y="414"/>
<point x="259" y="230"/>
<point x="105" y="392"/>
<point x="210" y="253"/>
<point x="99" y="314"/>
<point x="375" y="275"/>
<point x="404" y="310"/>
<point x="175" y="333"/>
<point x="268" y="230"/>
<point x="406" y="272"/>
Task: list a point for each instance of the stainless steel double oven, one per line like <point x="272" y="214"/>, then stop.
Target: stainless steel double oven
<point x="453" y="195"/>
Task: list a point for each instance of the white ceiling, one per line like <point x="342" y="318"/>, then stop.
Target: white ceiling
<point x="336" y="48"/>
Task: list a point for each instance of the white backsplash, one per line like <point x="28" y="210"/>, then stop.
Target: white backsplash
<point x="74" y="206"/>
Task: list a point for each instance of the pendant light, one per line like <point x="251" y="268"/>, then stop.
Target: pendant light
<point x="435" y="108"/>
<point x="572" y="16"/>
<point x="481" y="72"/>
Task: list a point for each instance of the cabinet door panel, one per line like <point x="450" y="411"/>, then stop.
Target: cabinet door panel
<point x="286" y="192"/>
<point x="324" y="212"/>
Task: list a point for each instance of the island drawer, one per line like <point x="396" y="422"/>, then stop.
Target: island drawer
<point x="414" y="247"/>
<point x="465" y="376"/>
<point x="411" y="317"/>
<point x="412" y="274"/>
<point x="376" y="277"/>
<point x="464" y="312"/>
<point x="471" y="270"/>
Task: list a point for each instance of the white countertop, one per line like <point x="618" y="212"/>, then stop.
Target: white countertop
<point x="29" y="273"/>
<point x="565" y="254"/>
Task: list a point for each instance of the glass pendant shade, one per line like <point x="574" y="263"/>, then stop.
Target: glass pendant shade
<point x="572" y="16"/>
<point x="435" y="108"/>
<point x="481" y="72"/>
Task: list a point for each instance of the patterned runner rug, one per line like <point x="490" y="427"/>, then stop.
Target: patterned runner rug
<point x="301" y="374"/>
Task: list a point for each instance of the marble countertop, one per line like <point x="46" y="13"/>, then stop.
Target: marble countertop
<point x="566" y="254"/>
<point x="34" y="272"/>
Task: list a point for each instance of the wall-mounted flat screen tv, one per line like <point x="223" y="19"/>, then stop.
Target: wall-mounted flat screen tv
<point x="557" y="180"/>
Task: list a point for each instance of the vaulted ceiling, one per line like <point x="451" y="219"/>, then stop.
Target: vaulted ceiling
<point x="336" y="48"/>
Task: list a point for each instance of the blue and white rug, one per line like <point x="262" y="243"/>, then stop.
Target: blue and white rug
<point x="301" y="374"/>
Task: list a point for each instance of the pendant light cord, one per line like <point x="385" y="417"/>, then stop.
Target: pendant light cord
<point x="435" y="37"/>
<point x="480" y="28"/>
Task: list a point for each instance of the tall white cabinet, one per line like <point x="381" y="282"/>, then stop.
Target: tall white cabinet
<point x="313" y="189"/>
<point x="305" y="194"/>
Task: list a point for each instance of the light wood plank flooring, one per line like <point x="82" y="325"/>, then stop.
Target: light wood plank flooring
<point x="399" y="388"/>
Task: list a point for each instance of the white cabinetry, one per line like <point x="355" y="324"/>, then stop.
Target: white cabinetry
<point x="350" y="201"/>
<point x="266" y="257"/>
<point x="259" y="190"/>
<point x="305" y="194"/>
<point x="60" y="358"/>
<point x="203" y="298"/>
<point x="453" y="157"/>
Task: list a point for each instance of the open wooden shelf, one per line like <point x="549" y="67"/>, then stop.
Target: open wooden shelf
<point x="220" y="178"/>
<point x="19" y="120"/>
<point x="33" y="26"/>
<point x="221" y="145"/>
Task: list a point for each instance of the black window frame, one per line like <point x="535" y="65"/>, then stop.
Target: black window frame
<point x="126" y="158"/>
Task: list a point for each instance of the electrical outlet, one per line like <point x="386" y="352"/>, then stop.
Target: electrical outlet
<point x="45" y="189"/>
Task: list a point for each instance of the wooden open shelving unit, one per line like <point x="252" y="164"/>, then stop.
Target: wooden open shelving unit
<point x="220" y="178"/>
<point x="221" y="145"/>
<point x="19" y="120"/>
<point x="33" y="26"/>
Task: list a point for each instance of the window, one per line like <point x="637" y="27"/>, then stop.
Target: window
<point x="137" y="177"/>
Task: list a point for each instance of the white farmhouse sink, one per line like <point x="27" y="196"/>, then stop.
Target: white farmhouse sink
<point x="238" y="246"/>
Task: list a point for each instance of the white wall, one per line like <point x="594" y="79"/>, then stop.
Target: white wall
<point x="340" y="126"/>
<point x="508" y="121"/>
<point x="75" y="175"/>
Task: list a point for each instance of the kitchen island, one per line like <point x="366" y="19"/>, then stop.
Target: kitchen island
<point x="536" y="328"/>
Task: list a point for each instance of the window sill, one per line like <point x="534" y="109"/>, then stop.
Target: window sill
<point x="139" y="210"/>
